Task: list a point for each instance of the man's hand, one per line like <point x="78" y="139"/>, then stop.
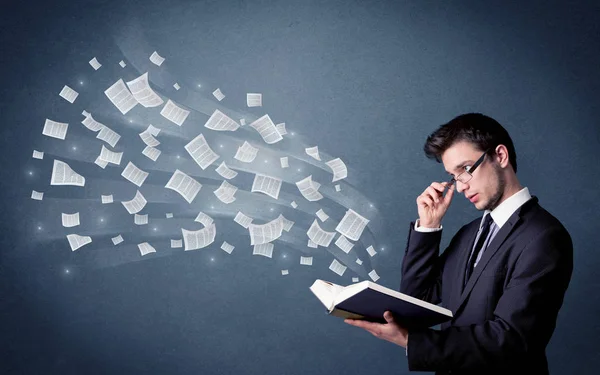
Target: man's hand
<point x="391" y="331"/>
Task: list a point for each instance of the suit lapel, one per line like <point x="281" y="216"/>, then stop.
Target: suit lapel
<point x="467" y="245"/>
<point x="489" y="252"/>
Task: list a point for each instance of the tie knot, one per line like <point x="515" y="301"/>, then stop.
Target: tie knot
<point x="487" y="221"/>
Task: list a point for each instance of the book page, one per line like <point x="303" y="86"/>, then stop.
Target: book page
<point x="55" y="129"/>
<point x="106" y="199"/>
<point x="200" y="238"/>
<point x="228" y="248"/>
<point x="225" y="193"/>
<point x="174" y="113"/>
<point x="110" y="156"/>
<point x="140" y="219"/>
<point x="254" y="100"/>
<point x="337" y="267"/>
<point x="134" y="174"/>
<point x="185" y="185"/>
<point x="117" y="240"/>
<point x="243" y="220"/>
<point x="109" y="136"/>
<point x="340" y="171"/>
<point x="68" y="94"/>
<point x="136" y="204"/>
<point x="246" y="153"/>
<point x="92" y="124"/>
<point x="146" y="248"/>
<point x="224" y="171"/>
<point x="266" y="185"/>
<point x="201" y="152"/>
<point x="313" y="152"/>
<point x="265" y="249"/>
<point x="221" y="122"/>
<point x="120" y="97"/>
<point x="143" y="93"/>
<point x="218" y="94"/>
<point x="151" y="153"/>
<point x="319" y="236"/>
<point x="309" y="189"/>
<point x="95" y="64"/>
<point x="70" y="220"/>
<point x="76" y="241"/>
<point x="352" y="225"/>
<point x="267" y="130"/>
<point x="156" y="59"/>
<point x="62" y="174"/>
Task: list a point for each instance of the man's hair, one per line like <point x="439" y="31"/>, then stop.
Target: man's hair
<point x="482" y="131"/>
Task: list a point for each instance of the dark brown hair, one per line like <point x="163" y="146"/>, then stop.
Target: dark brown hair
<point x="482" y="131"/>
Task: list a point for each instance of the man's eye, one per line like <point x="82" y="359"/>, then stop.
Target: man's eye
<point x="467" y="167"/>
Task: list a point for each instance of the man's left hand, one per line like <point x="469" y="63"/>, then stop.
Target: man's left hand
<point x="390" y="331"/>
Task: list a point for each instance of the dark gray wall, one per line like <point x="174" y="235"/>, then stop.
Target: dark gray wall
<point x="367" y="81"/>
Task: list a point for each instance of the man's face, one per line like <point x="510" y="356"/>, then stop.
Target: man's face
<point x="486" y="188"/>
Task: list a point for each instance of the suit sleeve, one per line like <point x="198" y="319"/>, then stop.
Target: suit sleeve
<point x="524" y="318"/>
<point x="422" y="265"/>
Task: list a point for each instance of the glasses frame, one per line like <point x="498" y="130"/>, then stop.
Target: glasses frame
<point x="470" y="171"/>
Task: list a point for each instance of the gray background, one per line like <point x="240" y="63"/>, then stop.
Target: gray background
<point x="368" y="81"/>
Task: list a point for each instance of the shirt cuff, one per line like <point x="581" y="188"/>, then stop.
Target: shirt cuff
<point x="426" y="230"/>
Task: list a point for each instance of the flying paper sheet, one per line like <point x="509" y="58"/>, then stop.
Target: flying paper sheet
<point x="337" y="267"/>
<point x="339" y="169"/>
<point x="313" y="152"/>
<point x="224" y="171"/>
<point x="228" y="248"/>
<point x="106" y="199"/>
<point x="38" y="155"/>
<point x="68" y="94"/>
<point x="122" y="64"/>
<point x="201" y="152"/>
<point x="306" y="261"/>
<point x="62" y="174"/>
<point x="70" y="220"/>
<point x="352" y="225"/>
<point x="221" y="122"/>
<point x="185" y="185"/>
<point x="176" y="86"/>
<point x="151" y="152"/>
<point x="371" y="251"/>
<point x="319" y="236"/>
<point x="322" y="215"/>
<point x="136" y="204"/>
<point x="285" y="272"/>
<point x="309" y="189"/>
<point x="110" y="156"/>
<point x="260" y="234"/>
<point x="254" y="100"/>
<point x="242" y="219"/>
<point x="117" y="240"/>
<point x="140" y="219"/>
<point x="246" y="153"/>
<point x="174" y="113"/>
<point x="146" y="248"/>
<point x="148" y="138"/>
<point x="218" y="94"/>
<point x="109" y="136"/>
<point x="36" y="195"/>
<point x="281" y="128"/>
<point x="204" y="219"/>
<point x="284" y="162"/>
<point x="134" y="174"/>
<point x="266" y="185"/>
<point x="343" y="243"/>
<point x="226" y="192"/>
<point x="373" y="275"/>
<point x="120" y="97"/>
<point x="267" y="130"/>
<point x="176" y="244"/>
<point x="156" y="58"/>
<point x="92" y="124"/>
<point x="76" y="241"/>
<point x="199" y="239"/>
<point x="265" y="249"/>
<point x="95" y="64"/>
<point x="55" y="129"/>
<point x="141" y="91"/>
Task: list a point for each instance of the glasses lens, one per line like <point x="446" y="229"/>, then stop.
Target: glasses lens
<point x="464" y="177"/>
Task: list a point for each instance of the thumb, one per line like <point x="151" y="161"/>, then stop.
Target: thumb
<point x="450" y="193"/>
<point x="388" y="317"/>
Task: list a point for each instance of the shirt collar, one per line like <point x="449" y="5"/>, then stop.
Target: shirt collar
<point x="504" y="211"/>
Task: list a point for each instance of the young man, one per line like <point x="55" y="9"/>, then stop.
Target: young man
<point x="503" y="275"/>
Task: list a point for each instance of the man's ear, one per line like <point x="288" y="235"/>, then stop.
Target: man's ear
<point x="501" y="156"/>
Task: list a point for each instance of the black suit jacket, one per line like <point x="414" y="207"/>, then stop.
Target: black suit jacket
<point x="505" y="315"/>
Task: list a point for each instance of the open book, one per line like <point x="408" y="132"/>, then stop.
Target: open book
<point x="368" y="301"/>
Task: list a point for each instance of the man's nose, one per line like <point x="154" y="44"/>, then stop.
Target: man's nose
<point x="460" y="187"/>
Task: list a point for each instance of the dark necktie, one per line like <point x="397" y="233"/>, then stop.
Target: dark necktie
<point x="485" y="231"/>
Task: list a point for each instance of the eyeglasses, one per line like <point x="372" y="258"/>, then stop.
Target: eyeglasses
<point x="466" y="176"/>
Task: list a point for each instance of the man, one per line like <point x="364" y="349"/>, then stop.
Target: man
<point x="503" y="275"/>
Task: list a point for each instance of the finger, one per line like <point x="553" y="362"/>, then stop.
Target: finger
<point x="435" y="194"/>
<point x="425" y="201"/>
<point x="438" y="186"/>
<point x="388" y="317"/>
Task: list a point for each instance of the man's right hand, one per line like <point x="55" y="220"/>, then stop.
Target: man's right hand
<point x="432" y="205"/>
